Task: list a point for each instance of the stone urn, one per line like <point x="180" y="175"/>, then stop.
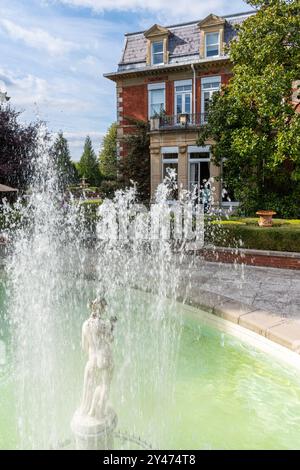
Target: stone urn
<point x="265" y="218"/>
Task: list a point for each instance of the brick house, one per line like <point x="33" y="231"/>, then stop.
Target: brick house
<point x="167" y="75"/>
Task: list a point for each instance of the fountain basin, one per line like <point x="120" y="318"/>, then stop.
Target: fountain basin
<point x="232" y="388"/>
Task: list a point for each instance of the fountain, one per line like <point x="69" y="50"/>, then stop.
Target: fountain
<point x="159" y="376"/>
<point x="50" y="266"/>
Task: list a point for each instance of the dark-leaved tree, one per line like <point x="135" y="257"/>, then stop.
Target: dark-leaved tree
<point x="18" y="145"/>
<point x="135" y="166"/>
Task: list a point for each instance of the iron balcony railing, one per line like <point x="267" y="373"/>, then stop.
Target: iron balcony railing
<point x="179" y="121"/>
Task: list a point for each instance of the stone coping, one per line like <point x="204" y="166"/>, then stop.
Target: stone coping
<point x="281" y="330"/>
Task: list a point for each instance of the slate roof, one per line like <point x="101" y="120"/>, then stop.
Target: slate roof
<point x="184" y="42"/>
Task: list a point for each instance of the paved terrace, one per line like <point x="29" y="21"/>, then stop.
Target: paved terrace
<point x="264" y="300"/>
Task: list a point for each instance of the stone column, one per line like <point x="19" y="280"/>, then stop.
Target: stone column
<point x="155" y="172"/>
<point x="215" y="173"/>
<point x="182" y="168"/>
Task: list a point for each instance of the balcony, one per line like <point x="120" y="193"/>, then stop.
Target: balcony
<point x="178" y="121"/>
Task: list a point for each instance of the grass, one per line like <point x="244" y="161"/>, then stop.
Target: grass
<point x="254" y="221"/>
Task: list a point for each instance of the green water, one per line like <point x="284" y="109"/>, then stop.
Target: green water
<point x="225" y="396"/>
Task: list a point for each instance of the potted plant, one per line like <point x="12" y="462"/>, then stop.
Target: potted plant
<point x="156" y="119"/>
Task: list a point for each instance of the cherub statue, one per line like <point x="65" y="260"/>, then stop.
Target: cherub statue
<point x="97" y="337"/>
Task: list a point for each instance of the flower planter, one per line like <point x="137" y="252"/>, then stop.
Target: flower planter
<point x="154" y="123"/>
<point x="265" y="218"/>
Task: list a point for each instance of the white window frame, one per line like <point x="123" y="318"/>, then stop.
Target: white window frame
<point x="165" y="151"/>
<point x="156" y="53"/>
<point x="196" y="149"/>
<point x="213" y="78"/>
<point x="155" y="86"/>
<point x="178" y="83"/>
<point x="219" y="45"/>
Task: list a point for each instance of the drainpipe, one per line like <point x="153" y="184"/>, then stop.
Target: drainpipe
<point x="194" y="87"/>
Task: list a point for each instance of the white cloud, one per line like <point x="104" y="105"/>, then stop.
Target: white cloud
<point x="30" y="90"/>
<point x="180" y="11"/>
<point x="37" y="38"/>
<point x="61" y="77"/>
<point x="82" y="135"/>
<point x="26" y="89"/>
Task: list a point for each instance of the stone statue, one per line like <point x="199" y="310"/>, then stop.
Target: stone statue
<point x="94" y="417"/>
<point x="97" y="337"/>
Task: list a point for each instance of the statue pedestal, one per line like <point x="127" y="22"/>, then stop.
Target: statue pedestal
<point x="91" y="434"/>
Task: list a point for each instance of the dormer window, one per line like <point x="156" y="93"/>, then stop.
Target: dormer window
<point x="157" y="53"/>
<point x="157" y="45"/>
<point x="212" y="44"/>
<point x="212" y="35"/>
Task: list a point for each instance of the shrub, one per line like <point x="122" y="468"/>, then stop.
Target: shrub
<point x="108" y="188"/>
<point x="277" y="238"/>
<point x="89" y="210"/>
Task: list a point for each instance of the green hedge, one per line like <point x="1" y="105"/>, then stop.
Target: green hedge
<point x="277" y="238"/>
<point x="91" y="202"/>
<point x="87" y="189"/>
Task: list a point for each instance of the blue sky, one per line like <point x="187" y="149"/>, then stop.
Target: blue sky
<point x="53" y="54"/>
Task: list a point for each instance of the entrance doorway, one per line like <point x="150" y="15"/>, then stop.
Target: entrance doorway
<point x="199" y="175"/>
<point x="170" y="168"/>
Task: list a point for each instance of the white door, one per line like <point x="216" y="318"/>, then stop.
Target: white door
<point x="199" y="173"/>
<point x="183" y="97"/>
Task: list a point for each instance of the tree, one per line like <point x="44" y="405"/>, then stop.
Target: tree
<point x="108" y="154"/>
<point x="253" y="120"/>
<point x="88" y="164"/>
<point x="66" y="169"/>
<point x="135" y="166"/>
<point x="18" y="145"/>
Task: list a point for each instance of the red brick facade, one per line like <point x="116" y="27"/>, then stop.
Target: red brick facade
<point x="135" y="103"/>
<point x="134" y="98"/>
<point x="170" y="97"/>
